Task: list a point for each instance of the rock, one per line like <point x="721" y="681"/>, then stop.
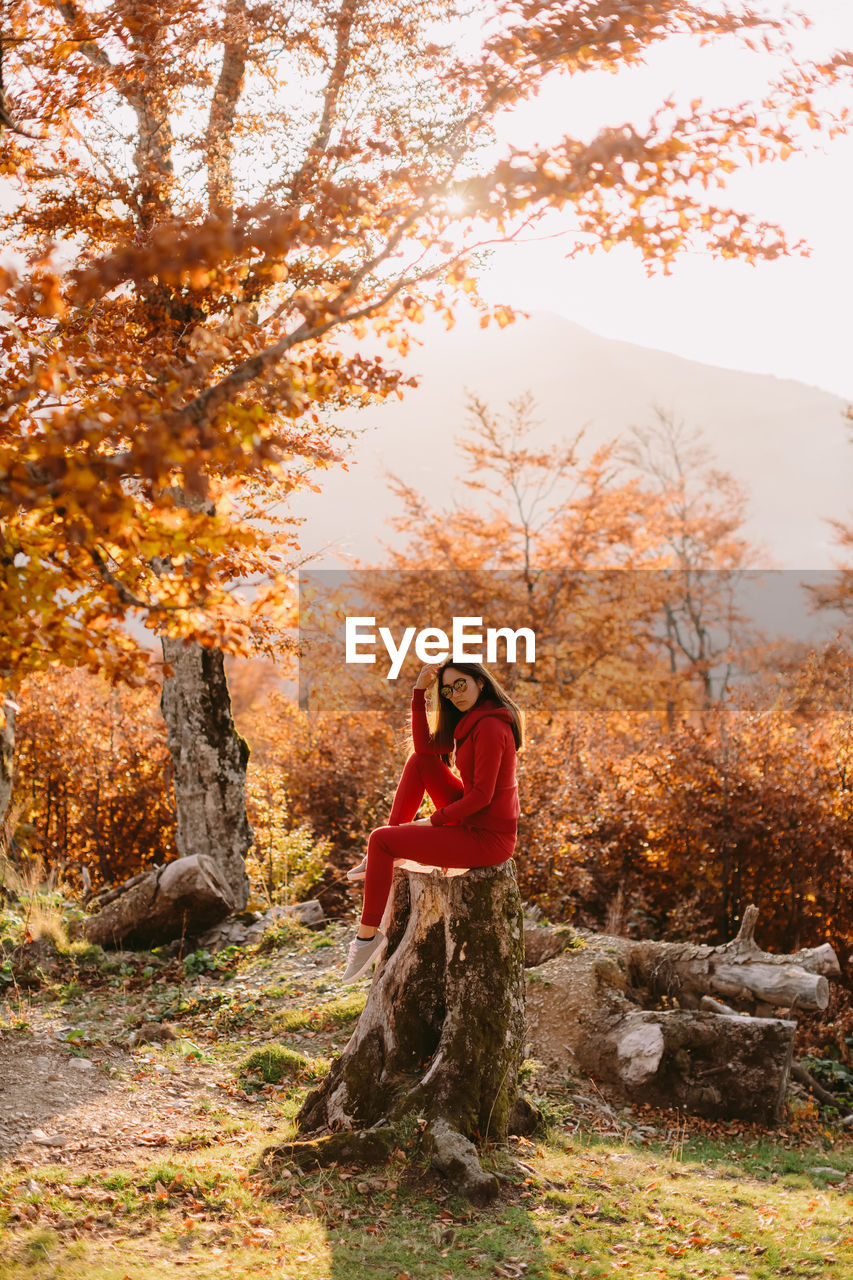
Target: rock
<point x="235" y="932"/>
<point x="541" y="944"/>
<point x="309" y="913"/>
<point x="834" y="1175"/>
<point x="230" y="933"/>
<point x="525" y="1116"/>
<point x="82" y="1064"/>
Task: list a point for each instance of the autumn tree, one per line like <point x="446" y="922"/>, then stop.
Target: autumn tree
<point x="837" y="592"/>
<point x="196" y="233"/>
<point x="614" y="561"/>
<point x="221" y="192"/>
<point x="94" y="806"/>
<point x="535" y="537"/>
<point x="704" y="555"/>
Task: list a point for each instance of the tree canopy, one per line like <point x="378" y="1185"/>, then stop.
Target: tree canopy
<point x="215" y="207"/>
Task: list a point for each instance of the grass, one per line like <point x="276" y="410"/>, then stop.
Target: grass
<point x="576" y="1207"/>
<point x="645" y="1195"/>
<point x="342" y="1011"/>
<point x="287" y="932"/>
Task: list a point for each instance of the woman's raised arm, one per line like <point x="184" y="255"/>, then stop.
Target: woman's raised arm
<point x="422" y="739"/>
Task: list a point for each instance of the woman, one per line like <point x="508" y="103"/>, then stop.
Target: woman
<point x="476" y="816"/>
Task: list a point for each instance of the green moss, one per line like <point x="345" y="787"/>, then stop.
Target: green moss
<point x="339" y="1012"/>
<point x="275" y="1062"/>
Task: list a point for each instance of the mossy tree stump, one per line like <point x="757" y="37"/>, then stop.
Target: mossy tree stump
<point x="441" y="1036"/>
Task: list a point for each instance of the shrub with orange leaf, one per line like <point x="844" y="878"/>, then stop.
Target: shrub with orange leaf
<point x="92" y="776"/>
<point x="684" y="829"/>
<point x="337" y="767"/>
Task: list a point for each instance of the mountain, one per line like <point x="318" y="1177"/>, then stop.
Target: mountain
<point x="787" y="443"/>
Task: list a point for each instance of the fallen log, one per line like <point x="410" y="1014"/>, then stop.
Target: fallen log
<point x="738" y="970"/>
<point x="100" y="899"/>
<point x="442" y="1034"/>
<point x="641" y="1018"/>
<point x="178" y="900"/>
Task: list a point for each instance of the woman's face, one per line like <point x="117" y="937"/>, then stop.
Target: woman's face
<point x="468" y="691"/>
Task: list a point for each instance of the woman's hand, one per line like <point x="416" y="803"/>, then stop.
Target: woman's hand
<point x="428" y="675"/>
<point x="420" y="822"/>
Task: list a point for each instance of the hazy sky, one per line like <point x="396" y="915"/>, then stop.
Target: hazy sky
<point x="791" y="317"/>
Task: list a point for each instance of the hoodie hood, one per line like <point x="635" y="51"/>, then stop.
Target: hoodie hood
<point x="477" y="713"/>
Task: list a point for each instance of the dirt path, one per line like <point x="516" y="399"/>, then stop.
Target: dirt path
<point x="97" y="1101"/>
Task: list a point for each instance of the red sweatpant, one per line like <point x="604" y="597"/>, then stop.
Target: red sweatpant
<point x="444" y="846"/>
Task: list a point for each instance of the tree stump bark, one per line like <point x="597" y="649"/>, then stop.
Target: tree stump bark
<point x="209" y="761"/>
<point x="182" y="898"/>
<point x="704" y="1063"/>
<point x="590" y="1009"/>
<point x="442" y="1034"/>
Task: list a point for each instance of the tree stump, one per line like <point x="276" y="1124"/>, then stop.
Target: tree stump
<point x="441" y="1036"/>
<point x="182" y="898"/>
<point x="598" y="1009"/>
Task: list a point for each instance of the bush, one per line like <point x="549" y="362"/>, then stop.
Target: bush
<point x="92" y="776"/>
<point x="676" y="833"/>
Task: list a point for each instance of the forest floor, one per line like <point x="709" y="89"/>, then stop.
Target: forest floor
<point x="123" y="1161"/>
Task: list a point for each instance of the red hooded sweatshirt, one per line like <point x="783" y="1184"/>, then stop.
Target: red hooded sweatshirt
<point x="485" y="758"/>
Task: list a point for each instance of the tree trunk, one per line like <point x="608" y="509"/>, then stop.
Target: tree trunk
<point x="594" y="1009"/>
<point x="181" y="899"/>
<point x="7" y="751"/>
<point x="441" y="1035"/>
<point x="209" y="761"/>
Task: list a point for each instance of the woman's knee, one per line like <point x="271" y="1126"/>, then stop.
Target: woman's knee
<point x="414" y="764"/>
<point x="378" y="841"/>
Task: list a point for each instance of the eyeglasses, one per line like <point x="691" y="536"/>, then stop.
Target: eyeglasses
<point x="458" y="686"/>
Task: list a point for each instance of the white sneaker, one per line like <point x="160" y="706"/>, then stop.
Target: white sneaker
<point x="359" y="871"/>
<point x="362" y="953"/>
